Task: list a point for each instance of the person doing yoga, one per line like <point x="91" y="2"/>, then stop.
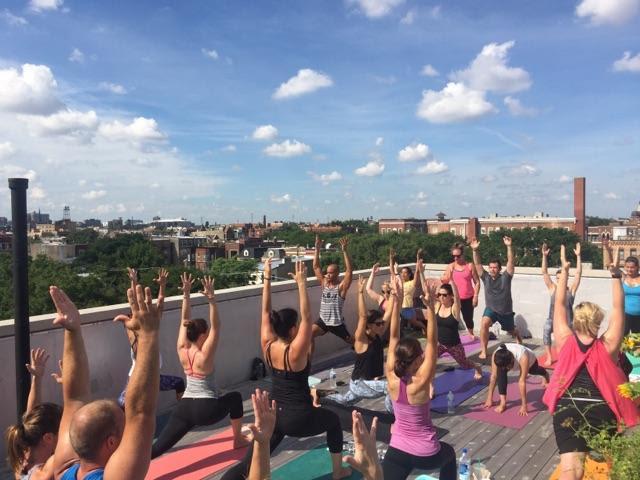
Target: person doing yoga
<point x="414" y="441"/>
<point x="201" y="403"/>
<point x="503" y="360"/>
<point x="381" y="298"/>
<point x="630" y="286"/>
<point x="583" y="386"/>
<point x="411" y="283"/>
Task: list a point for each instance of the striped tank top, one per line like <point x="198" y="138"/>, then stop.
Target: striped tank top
<point x="331" y="306"/>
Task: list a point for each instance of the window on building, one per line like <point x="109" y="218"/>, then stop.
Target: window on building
<point x="452" y="230"/>
<point x="621" y="254"/>
<point x="633" y="252"/>
<point x="490" y="229"/>
<point x="483" y="230"/>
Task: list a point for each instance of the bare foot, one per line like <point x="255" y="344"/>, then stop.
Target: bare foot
<point x="241" y="441"/>
<point x="500" y="408"/>
<point x="482" y="356"/>
<point x="316" y="397"/>
<point x="478" y="374"/>
<point x="470" y="333"/>
<point x="344" y="472"/>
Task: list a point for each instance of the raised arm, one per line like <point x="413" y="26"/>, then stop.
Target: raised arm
<point x="419" y="279"/>
<point x="477" y="263"/>
<point x="615" y="331"/>
<point x="545" y="272"/>
<point x="455" y="308"/>
<point x="132" y="457"/>
<point x="578" y="275"/>
<point x="161" y="280"/>
<point x="211" y="342"/>
<point x="607" y="256"/>
<point x="301" y="345"/>
<point x="36" y="367"/>
<point x="392" y="263"/>
<point x="187" y="281"/>
<point x="373" y="295"/>
<point x="510" y="263"/>
<point x="476" y="285"/>
<point x="394" y="328"/>
<point x="348" y="267"/>
<point x="317" y="269"/>
<point x="261" y="431"/>
<point x="267" y="335"/>
<point x="561" y="329"/>
<point x="361" y="329"/>
<point x="427" y="370"/>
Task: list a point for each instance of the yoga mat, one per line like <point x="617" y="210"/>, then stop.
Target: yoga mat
<point x="510" y="418"/>
<point x="313" y="465"/>
<point x="470" y="346"/>
<point x="592" y="471"/>
<point x="461" y="383"/>
<point x="313" y="381"/>
<point x="554" y="358"/>
<point x="635" y="361"/>
<point x="197" y="460"/>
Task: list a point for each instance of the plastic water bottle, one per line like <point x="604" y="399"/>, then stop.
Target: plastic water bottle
<point x="464" y="466"/>
<point x="332" y="378"/>
<point x="450" y="406"/>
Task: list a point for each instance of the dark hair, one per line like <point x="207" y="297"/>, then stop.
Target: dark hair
<point x="503" y="358"/>
<point x="195" y="328"/>
<point x="458" y="246"/>
<point x="633" y="260"/>
<point x="408" y="269"/>
<point x="42" y="419"/>
<point x="496" y="260"/>
<point x="283" y="321"/>
<point x="373" y="316"/>
<point x="87" y="435"/>
<point x="447" y="287"/>
<point x="407" y="350"/>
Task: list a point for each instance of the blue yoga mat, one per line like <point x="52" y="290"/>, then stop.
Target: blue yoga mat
<point x="461" y="383"/>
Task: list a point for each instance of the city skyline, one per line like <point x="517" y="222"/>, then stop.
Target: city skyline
<point x="390" y="108"/>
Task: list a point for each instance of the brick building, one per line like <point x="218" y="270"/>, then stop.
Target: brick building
<point x="401" y="225"/>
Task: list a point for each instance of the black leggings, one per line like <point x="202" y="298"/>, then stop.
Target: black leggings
<point x="534" y="369"/>
<point x="194" y="412"/>
<point x="295" y="422"/>
<point x="632" y="323"/>
<point x="397" y="465"/>
<point x="466" y="308"/>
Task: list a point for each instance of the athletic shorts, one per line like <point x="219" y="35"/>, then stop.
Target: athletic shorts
<point x="506" y="320"/>
<point x="338" y="330"/>
<point x="568" y="417"/>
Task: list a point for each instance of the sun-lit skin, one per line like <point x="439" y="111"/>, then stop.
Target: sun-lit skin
<point x="332" y="274"/>
<point x="456" y="253"/>
<point x="631" y="269"/>
<point x="494" y="269"/>
<point x="405" y="274"/>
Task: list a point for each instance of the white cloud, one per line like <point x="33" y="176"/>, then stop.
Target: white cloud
<point x="265" y="132"/>
<point x="379" y="141"/>
<point x="212" y="54"/>
<point x="489" y="71"/>
<point x="421" y="196"/>
<point x="36" y="192"/>
<point x="140" y="130"/>
<point x="12" y="19"/>
<point x="409" y="18"/>
<point x="6" y="150"/>
<point x="7" y="170"/>
<point x="524" y="170"/>
<point x="287" y="148"/>
<point x="414" y="152"/>
<point x="565" y="179"/>
<point x="613" y="12"/>
<point x="94" y="194"/>
<point x="76" y="56"/>
<point x="429" y="71"/>
<point x="432" y="167"/>
<point x="454" y="103"/>
<point x="371" y="169"/>
<point x="41" y="5"/>
<point x="286" y="198"/>
<point x="113" y="88"/>
<point x="29" y="90"/>
<point x="376" y="8"/>
<point x="611" y="196"/>
<point x="517" y="109"/>
<point x="305" y="81"/>
<point x="627" y="63"/>
<point x="65" y="122"/>
<point x="229" y="148"/>
<point x="326" y="178"/>
<point x="489" y="178"/>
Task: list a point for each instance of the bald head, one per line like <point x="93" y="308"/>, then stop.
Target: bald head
<point x="93" y="425"/>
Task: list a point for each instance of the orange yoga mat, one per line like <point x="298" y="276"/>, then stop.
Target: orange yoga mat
<point x="592" y="471"/>
<point x="198" y="460"/>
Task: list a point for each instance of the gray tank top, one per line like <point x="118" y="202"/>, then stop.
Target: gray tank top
<point x="331" y="306"/>
<point x="199" y="386"/>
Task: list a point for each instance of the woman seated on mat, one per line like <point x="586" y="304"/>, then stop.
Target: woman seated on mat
<point x="414" y="442"/>
<point x="367" y="378"/>
<point x="201" y="403"/>
<point x="503" y="360"/>
<point x="584" y="382"/>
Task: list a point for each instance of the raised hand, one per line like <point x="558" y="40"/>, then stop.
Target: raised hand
<point x="162" y="277"/>
<point x="132" y="273"/>
<point x="267" y="269"/>
<point x="577" y="250"/>
<point x="344" y="243"/>
<point x="207" y="288"/>
<point x="300" y="276"/>
<point x="145" y="316"/>
<point x="318" y="242"/>
<point x="546" y="250"/>
<point x="67" y="315"/>
<point x="265" y="413"/>
<point x="375" y="269"/>
<point x="365" y="459"/>
<point x="39" y="357"/>
<point x="474" y="244"/>
<point x="361" y="284"/>
<point x="564" y="264"/>
<point x="187" y="281"/>
<point x="506" y="240"/>
<point x="419" y="255"/>
<point x="58" y="376"/>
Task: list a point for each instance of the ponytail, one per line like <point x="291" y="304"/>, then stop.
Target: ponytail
<point x="16" y="447"/>
<point x="195" y="328"/>
<point x="407" y="350"/>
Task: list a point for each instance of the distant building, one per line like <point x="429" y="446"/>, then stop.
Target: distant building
<point x="35" y="218"/>
<point x="5" y="242"/>
<point x="4" y="222"/>
<point x="206" y="254"/>
<point x="401" y="225"/>
<point x="171" y="223"/>
<point x="65" y="226"/>
<point x="115" y="224"/>
<point x="317" y="228"/>
<point x="57" y="251"/>
<point x="92" y="222"/>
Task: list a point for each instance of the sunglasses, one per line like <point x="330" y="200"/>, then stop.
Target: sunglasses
<point x="456" y="256"/>
<point x="378" y="324"/>
<point x="442" y="295"/>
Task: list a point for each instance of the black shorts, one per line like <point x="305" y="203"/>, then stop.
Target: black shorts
<point x="632" y="323"/>
<point x="466" y="308"/>
<point x="567" y="419"/>
<point x="338" y="330"/>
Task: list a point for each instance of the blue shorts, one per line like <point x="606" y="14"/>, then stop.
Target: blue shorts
<point x="506" y="320"/>
<point x="408" y="313"/>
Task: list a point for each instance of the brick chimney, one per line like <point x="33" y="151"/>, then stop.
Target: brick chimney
<point x="579" y="206"/>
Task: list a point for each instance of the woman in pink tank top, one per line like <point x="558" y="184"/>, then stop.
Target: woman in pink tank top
<point x="467" y="282"/>
<point x="409" y="370"/>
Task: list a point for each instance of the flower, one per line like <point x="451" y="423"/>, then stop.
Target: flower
<point x="625" y="390"/>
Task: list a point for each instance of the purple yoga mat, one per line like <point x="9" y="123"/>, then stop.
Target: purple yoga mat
<point x="461" y="383"/>
<point x="470" y="346"/>
<point x="510" y="418"/>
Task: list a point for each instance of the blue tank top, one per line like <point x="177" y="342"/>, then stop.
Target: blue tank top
<point x="631" y="299"/>
<point x="72" y="471"/>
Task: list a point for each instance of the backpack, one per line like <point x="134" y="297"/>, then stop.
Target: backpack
<point x="258" y="369"/>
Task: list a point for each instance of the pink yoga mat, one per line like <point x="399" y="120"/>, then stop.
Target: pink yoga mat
<point x="554" y="358"/>
<point x="510" y="418"/>
<point x="198" y="460"/>
<point x="470" y="346"/>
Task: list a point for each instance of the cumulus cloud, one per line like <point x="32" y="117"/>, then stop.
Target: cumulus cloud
<point x="305" y="81"/>
<point x="409" y="18"/>
<point x="6" y="150"/>
<point x="454" y="103"/>
<point x="12" y="19"/>
<point x="375" y="8"/>
<point x="421" y="196"/>
<point x="524" y="170"/>
<point x="371" y="169"/>
<point x="489" y="71"/>
<point x="113" y="88"/>
<point x="326" y="178"/>
<point x="265" y="132"/>
<point x="36" y="192"/>
<point x="517" y="109"/>
<point x="42" y="5"/>
<point x="414" y="152"/>
<point x="65" y="122"/>
<point x="379" y="141"/>
<point x="76" y="56"/>
<point x="212" y="54"/>
<point x="287" y="148"/>
<point x="229" y="149"/>
<point x="627" y="63"/>
<point x="286" y="198"/>
<point x="611" y="196"/>
<point x="612" y="12"/>
<point x="94" y="194"/>
<point x="429" y="71"/>
<point x="564" y="179"/>
<point x="30" y="89"/>
<point x="8" y="170"/>
<point x="432" y="167"/>
<point x="141" y="129"/>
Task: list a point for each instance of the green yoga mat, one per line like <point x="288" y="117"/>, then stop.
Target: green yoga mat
<point x="313" y="465"/>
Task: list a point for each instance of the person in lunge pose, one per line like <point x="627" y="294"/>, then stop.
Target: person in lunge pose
<point x="382" y="298"/>
<point x="583" y="386"/>
<point x="410" y="315"/>
<point x="497" y="295"/>
<point x="414" y="442"/>
<point x="334" y="293"/>
<point x="465" y="277"/>
<point x="503" y="360"/>
<point x="201" y="403"/>
<point x="551" y="287"/>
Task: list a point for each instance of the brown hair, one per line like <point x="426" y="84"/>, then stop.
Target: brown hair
<point x="407" y="350"/>
<point x="195" y="328"/>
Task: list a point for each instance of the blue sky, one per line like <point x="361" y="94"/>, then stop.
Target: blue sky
<point x="367" y="107"/>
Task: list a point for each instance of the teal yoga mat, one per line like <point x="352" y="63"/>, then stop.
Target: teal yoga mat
<point x="313" y="465"/>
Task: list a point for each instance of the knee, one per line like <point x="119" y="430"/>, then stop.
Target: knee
<point x="486" y="323"/>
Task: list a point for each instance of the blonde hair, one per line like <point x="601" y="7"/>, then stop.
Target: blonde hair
<point x="587" y="317"/>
